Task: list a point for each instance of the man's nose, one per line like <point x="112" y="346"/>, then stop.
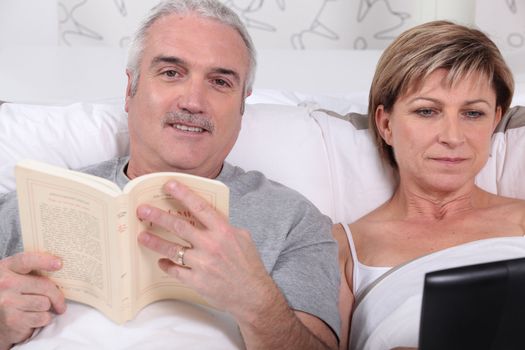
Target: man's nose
<point x="192" y="96"/>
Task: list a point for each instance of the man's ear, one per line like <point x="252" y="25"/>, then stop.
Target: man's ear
<point x="382" y="119"/>
<point x="243" y="102"/>
<point x="128" y="89"/>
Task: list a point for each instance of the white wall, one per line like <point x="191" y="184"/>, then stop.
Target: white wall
<point x="70" y="50"/>
<point x="28" y="22"/>
<point x="274" y="24"/>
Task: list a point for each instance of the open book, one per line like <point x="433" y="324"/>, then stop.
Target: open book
<point x="91" y="224"/>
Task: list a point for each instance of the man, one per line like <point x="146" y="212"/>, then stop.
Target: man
<point x="271" y="265"/>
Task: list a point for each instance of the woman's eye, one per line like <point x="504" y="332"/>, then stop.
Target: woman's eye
<point x="425" y="112"/>
<point x="474" y="114"/>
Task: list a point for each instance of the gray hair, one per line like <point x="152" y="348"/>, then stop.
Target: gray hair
<point x="212" y="9"/>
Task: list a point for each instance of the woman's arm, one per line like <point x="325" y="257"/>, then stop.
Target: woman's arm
<point x="346" y="297"/>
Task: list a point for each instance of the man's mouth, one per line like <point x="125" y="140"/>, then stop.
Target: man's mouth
<point x="187" y="122"/>
<point x="188" y="128"/>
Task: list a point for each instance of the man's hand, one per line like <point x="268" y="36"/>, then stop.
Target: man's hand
<point x="222" y="264"/>
<point x="26" y="299"/>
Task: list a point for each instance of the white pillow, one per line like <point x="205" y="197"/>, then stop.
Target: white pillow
<point x="287" y="145"/>
<point x="340" y="104"/>
<point x="510" y="170"/>
<point x="361" y="181"/>
<point x="72" y="136"/>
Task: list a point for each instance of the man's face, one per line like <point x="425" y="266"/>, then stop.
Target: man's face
<point x="186" y="113"/>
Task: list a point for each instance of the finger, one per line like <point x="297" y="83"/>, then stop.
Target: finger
<point x="198" y="206"/>
<point x="37" y="319"/>
<point x="15" y="328"/>
<point x="43" y="286"/>
<point x="21" y="324"/>
<point x="181" y="273"/>
<point x="29" y="302"/>
<point x="180" y="227"/>
<point x="24" y="263"/>
<point x="175" y="252"/>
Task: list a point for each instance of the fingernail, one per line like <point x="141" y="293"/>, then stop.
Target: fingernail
<point x="171" y="185"/>
<point x="57" y="264"/>
<point x="143" y="211"/>
<point x="143" y="237"/>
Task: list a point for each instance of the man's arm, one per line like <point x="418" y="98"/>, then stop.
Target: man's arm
<point x="282" y="328"/>
<point x="26" y="299"/>
<point x="225" y="268"/>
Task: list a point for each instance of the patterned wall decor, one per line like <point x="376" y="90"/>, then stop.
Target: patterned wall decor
<point x="303" y="24"/>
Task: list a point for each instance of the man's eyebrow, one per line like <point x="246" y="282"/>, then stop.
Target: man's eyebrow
<point x="167" y="59"/>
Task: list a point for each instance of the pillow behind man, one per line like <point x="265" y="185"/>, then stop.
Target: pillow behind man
<point x="71" y="136"/>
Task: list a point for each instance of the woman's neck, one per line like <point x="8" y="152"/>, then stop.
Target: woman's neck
<point x="411" y="202"/>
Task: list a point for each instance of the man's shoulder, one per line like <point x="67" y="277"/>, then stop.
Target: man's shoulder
<point x="106" y="169"/>
<point x="8" y="200"/>
<point x="244" y="182"/>
<point x="253" y="188"/>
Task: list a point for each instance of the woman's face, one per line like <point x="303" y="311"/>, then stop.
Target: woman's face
<point x="441" y="135"/>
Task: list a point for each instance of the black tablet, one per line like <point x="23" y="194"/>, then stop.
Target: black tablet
<point x="474" y="307"/>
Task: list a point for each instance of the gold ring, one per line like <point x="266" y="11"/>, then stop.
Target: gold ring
<point x="180" y="256"/>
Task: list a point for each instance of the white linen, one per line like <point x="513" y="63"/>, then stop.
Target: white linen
<point x="387" y="315"/>
<point x="162" y="325"/>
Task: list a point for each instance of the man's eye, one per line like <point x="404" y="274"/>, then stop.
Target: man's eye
<point x="170" y="73"/>
<point x="221" y="82"/>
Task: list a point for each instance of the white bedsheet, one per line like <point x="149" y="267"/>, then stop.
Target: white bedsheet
<point x="162" y="325"/>
<point x="388" y="313"/>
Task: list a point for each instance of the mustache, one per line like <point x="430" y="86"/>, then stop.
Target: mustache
<point x="180" y="117"/>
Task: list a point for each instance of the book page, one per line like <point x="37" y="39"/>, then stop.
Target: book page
<point x="73" y="221"/>
<point x="151" y="283"/>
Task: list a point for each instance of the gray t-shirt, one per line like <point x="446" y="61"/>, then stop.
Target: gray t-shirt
<point x="293" y="238"/>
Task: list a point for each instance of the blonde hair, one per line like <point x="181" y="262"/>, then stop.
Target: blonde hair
<point x="423" y="49"/>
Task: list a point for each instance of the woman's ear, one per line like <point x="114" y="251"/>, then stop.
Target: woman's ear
<point x="498" y="117"/>
<point x="382" y="119"/>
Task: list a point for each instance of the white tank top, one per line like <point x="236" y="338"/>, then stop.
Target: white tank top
<point x="363" y="275"/>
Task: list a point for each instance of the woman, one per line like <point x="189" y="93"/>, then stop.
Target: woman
<point x="438" y="93"/>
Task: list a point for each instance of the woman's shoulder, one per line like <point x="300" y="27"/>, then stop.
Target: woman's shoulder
<point x="370" y="221"/>
<point x="517" y="208"/>
<point x="507" y="204"/>
<point x="509" y="209"/>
